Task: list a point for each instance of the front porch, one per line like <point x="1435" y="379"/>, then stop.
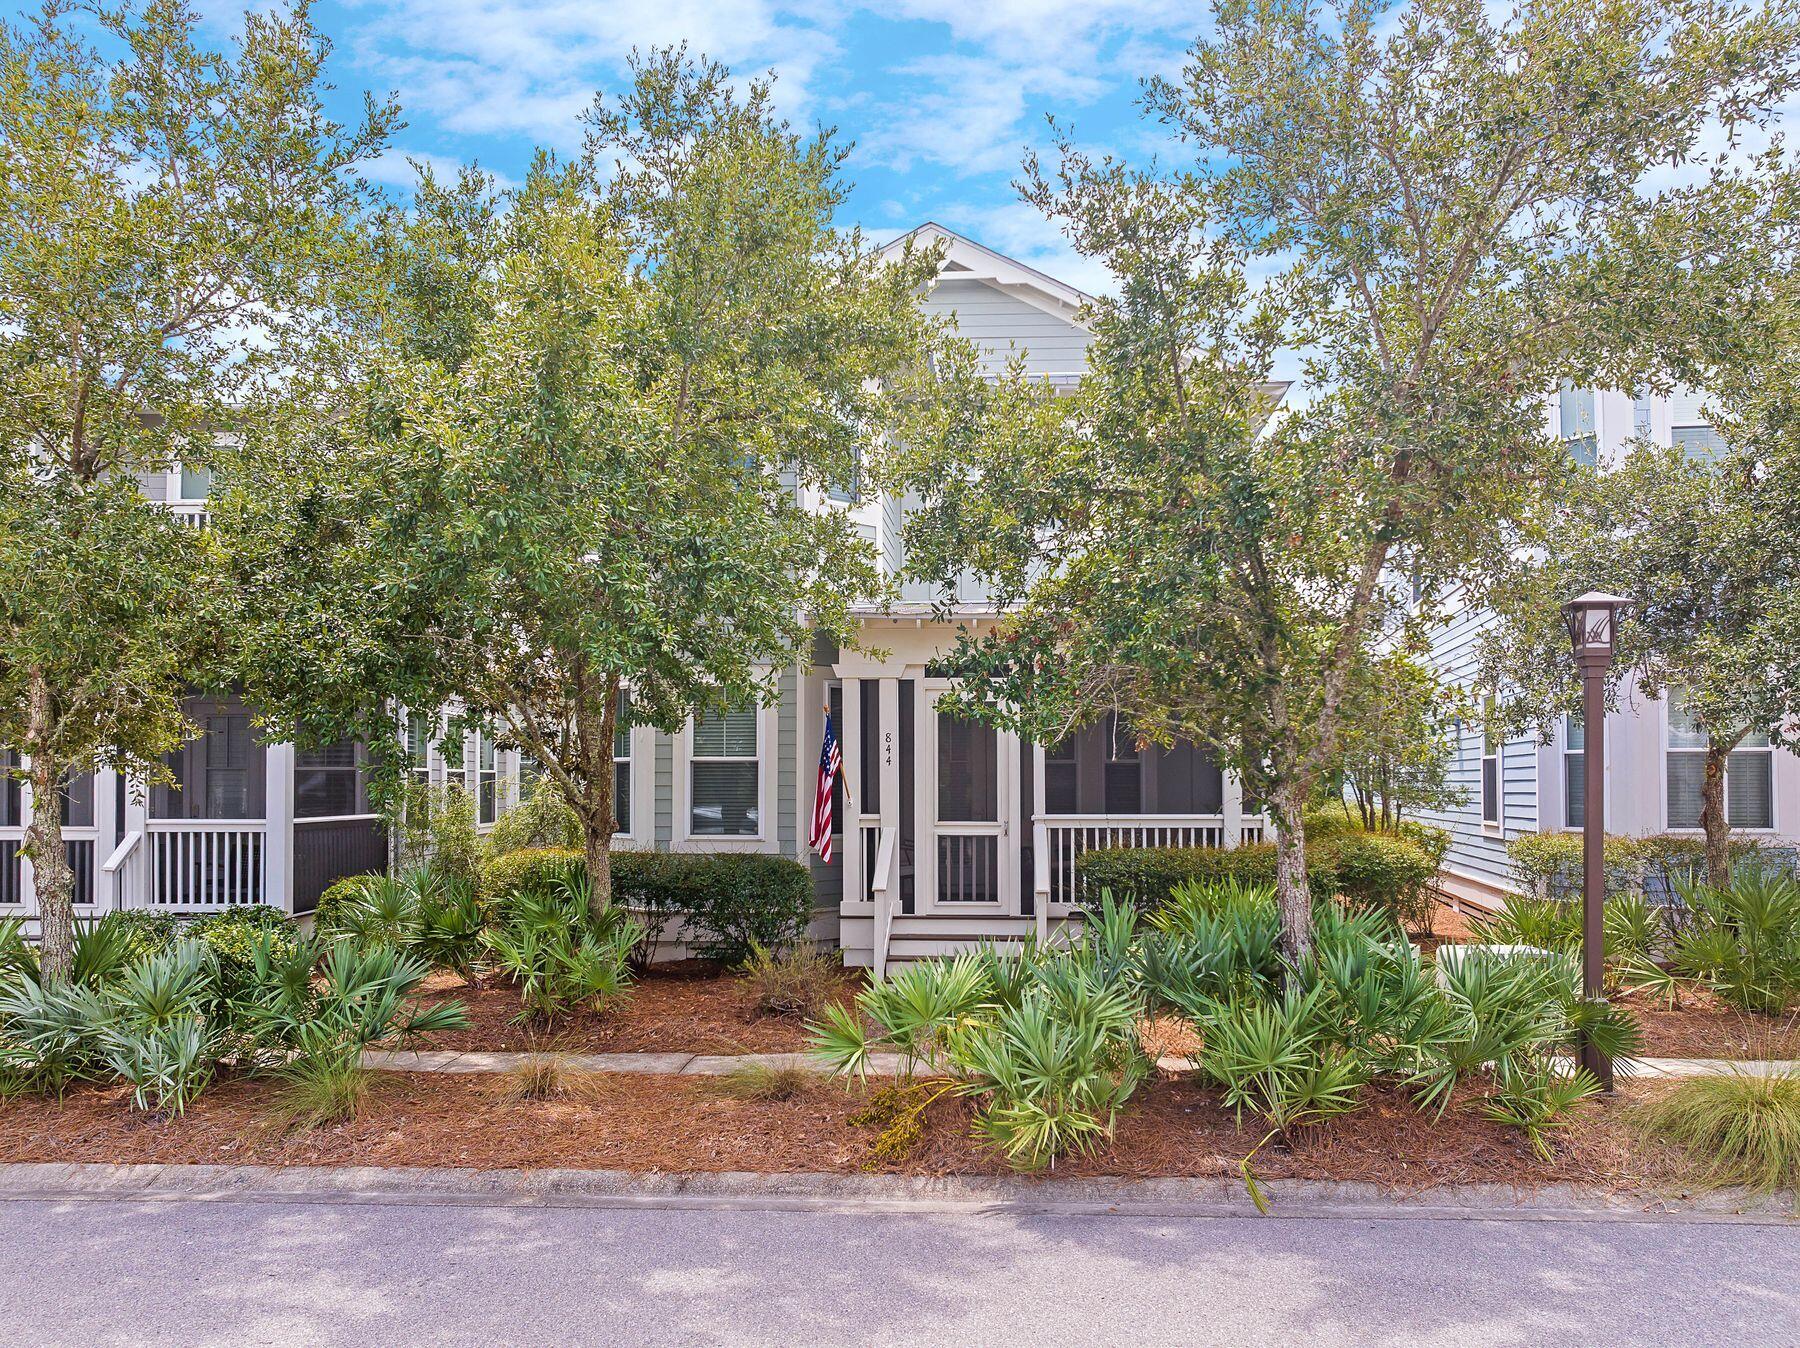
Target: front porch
<point x="241" y="822"/>
<point x="954" y="833"/>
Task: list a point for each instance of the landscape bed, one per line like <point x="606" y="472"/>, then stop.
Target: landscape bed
<point x="691" y="1007"/>
<point x="1175" y="1128"/>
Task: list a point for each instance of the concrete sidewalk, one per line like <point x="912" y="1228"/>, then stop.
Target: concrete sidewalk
<point x="889" y="1064"/>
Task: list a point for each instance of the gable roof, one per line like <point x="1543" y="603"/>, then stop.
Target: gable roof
<point x="966" y="260"/>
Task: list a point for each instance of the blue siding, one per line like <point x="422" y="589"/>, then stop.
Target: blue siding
<point x="1476" y="851"/>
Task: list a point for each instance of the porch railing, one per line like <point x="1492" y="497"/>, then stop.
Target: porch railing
<point x="78" y="844"/>
<point x="203" y="864"/>
<point x="1064" y="837"/>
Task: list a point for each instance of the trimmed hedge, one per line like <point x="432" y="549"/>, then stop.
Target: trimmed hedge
<point x="729" y="901"/>
<point x="1148" y="875"/>
<point x="1548" y="865"/>
<point x="1391" y="870"/>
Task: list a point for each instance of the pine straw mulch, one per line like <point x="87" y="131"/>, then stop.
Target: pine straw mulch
<point x="688" y="1007"/>
<point x="1173" y="1127"/>
<point x="1702" y="1026"/>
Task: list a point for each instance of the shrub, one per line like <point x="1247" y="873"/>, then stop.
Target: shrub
<point x="505" y="874"/>
<point x="149" y="931"/>
<point x="1743" y="941"/>
<point x="450" y="923"/>
<point x="542" y="1076"/>
<point x="49" y="1037"/>
<point x="761" y="1082"/>
<point x="1280" y="1059"/>
<point x="166" y="1065"/>
<point x="232" y="937"/>
<point x="1147" y="876"/>
<point x="730" y="902"/>
<point x="561" y="958"/>
<point x="435" y="827"/>
<point x="1743" y="1127"/>
<point x="377" y="910"/>
<point x="338" y="893"/>
<point x="796" y="982"/>
<point x="1390" y="872"/>
<point x="541" y="819"/>
<point x="1050" y="1054"/>
<point x="1654" y="866"/>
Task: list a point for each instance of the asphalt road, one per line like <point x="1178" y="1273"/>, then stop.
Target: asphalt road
<point x="259" y="1272"/>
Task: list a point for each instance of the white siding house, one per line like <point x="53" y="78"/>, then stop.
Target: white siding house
<point x="950" y="832"/>
<point x="1652" y="758"/>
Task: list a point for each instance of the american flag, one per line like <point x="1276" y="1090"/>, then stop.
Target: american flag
<point x="831" y="763"/>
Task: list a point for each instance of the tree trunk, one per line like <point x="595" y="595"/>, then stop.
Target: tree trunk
<point x="52" y="879"/>
<point x="1292" y="894"/>
<point x="1713" y="821"/>
<point x="594" y="730"/>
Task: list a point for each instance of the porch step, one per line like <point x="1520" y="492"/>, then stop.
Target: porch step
<point x="967" y="926"/>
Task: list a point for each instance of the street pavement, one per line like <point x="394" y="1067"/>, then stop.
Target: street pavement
<point x="245" y="1271"/>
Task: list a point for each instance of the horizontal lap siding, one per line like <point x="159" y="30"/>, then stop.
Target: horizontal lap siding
<point x="1475" y="851"/>
<point x="1000" y="324"/>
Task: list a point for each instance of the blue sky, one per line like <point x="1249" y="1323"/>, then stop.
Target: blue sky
<point x="940" y="96"/>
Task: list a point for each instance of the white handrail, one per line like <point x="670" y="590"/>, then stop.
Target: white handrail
<point x="884" y="905"/>
<point x="120" y="854"/>
<point x="1040" y="880"/>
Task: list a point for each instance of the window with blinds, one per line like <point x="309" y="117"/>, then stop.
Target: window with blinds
<point x="326" y="781"/>
<point x="622" y="764"/>
<point x="725" y="786"/>
<point x="1749" y="774"/>
<point x="1490" y="769"/>
<point x="1574" y="773"/>
<point x="487" y="780"/>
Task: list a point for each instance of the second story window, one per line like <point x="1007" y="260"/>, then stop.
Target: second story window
<point x="195" y="483"/>
<point x="1699" y="441"/>
<point x="1576" y="424"/>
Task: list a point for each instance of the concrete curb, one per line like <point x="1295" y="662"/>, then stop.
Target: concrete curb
<point x="898" y="1194"/>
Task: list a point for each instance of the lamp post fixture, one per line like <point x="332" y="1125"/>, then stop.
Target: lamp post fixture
<point x="1593" y="622"/>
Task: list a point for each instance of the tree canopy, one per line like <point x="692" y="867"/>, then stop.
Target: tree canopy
<point x="1457" y="210"/>
<point x="167" y="214"/>
<point x="575" y="439"/>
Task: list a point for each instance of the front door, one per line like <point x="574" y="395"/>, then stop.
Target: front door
<point x="968" y="857"/>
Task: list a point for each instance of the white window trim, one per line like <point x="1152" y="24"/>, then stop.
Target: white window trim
<point x="1497" y="825"/>
<point x="1664" y="750"/>
<point x="767" y="839"/>
<point x="1563" y="751"/>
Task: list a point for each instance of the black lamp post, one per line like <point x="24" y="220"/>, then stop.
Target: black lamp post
<point x="1593" y="623"/>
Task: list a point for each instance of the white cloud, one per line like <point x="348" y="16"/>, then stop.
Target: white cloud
<point x="530" y="69"/>
<point x="394" y="168"/>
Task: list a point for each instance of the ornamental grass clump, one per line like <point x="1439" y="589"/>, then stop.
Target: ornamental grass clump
<point x="794" y="982"/>
<point x="1740" y="1127"/>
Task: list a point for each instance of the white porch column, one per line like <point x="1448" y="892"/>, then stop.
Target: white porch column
<point x="854" y="867"/>
<point x="1040" y="845"/>
<point x="27" y="886"/>
<point x="107" y="786"/>
<point x="132" y="881"/>
<point x="278" y="827"/>
<point x="887" y="746"/>
<point x="1232" y="807"/>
